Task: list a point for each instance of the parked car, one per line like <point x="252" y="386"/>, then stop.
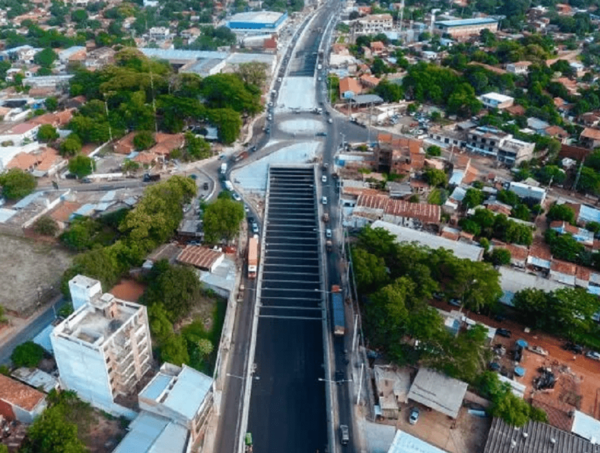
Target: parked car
<point x="324" y="178"/>
<point x="593" y="355"/>
<point x="577" y="349"/>
<point x="324" y="200"/>
<point x="414" y="416"/>
<point x="344" y="434"/>
<point x="255" y="228"/>
<point x="205" y="186"/>
<point x="321" y="134"/>
<point x="329" y="120"/>
<point x="504" y="333"/>
<point x="328" y="233"/>
<point x="494" y="366"/>
<point x="236" y="197"/>
<point x="455" y="302"/>
<point x="86" y="180"/>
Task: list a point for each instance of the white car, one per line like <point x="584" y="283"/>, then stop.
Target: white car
<point x="324" y="178"/>
<point x="279" y="79"/>
<point x="328" y="233"/>
<point x="593" y="355"/>
<point x="236" y="197"/>
<point x="324" y="200"/>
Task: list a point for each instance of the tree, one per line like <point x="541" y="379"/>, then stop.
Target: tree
<point x="253" y="73"/>
<point x="47" y="133"/>
<point x="46" y="226"/>
<point x="228" y="122"/>
<point x="508" y="197"/>
<point x="52" y="433"/>
<point x="45" y="58"/>
<point x="589" y="181"/>
<point x="176" y="288"/>
<point x="434" y="151"/>
<point x="70" y="146"/>
<point x="130" y="166"/>
<point x="227" y="91"/>
<point x="533" y="304"/>
<point x="222" y="219"/>
<point x="522" y="212"/>
<point x="81" y="166"/>
<point x="79" y="15"/>
<point x="196" y="148"/>
<point x="561" y="212"/>
<point x="51" y="103"/>
<point x="473" y="198"/>
<point x="435" y="177"/>
<point x="28" y="354"/>
<point x="174" y="350"/>
<point x="17" y="184"/>
<point x="143" y="140"/>
<point x="475" y="283"/>
<point x="370" y="270"/>
<point x="499" y="257"/>
<point x="389" y="92"/>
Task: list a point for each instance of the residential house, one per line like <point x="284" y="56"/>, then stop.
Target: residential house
<point x="158" y="33"/>
<point x="165" y="143"/>
<point x="368" y="81"/>
<point x="518" y="68"/>
<point x="537" y="125"/>
<point x="496" y="101"/>
<point x="485" y="140"/>
<point x="125" y="144"/>
<point x="513" y="151"/>
<point x="57" y="119"/>
<point x="581" y="235"/>
<point x="438" y="392"/>
<point x="392" y="385"/>
<point x="349" y="88"/>
<point x="23" y="161"/>
<point x="103" y="349"/>
<point x="201" y="257"/>
<point x="557" y="133"/>
<point x="19" y="401"/>
<point x="20" y="133"/>
<point x="590" y="138"/>
<point x="377" y="47"/>
<point x="370" y="208"/>
<point x="589" y="119"/>
<point x="518" y="253"/>
<point x="98" y="58"/>
<point x="540" y="257"/>
<point x="525" y="191"/>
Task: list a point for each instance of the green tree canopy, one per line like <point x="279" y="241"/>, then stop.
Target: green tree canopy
<point x="45" y="58"/>
<point x="17" y="184"/>
<point x="222" y="220"/>
<point x="473" y="197"/>
<point x="143" y="140"/>
<point x="81" y="166"/>
<point x="47" y="133"/>
<point x="435" y="177"/>
<point x="28" y="354"/>
<point x="561" y="212"/>
<point x="70" y="146"/>
<point x="46" y="226"/>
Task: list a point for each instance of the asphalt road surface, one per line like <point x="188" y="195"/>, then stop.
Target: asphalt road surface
<point x="287" y="407"/>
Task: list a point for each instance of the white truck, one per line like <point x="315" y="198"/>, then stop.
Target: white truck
<point x="229" y="186"/>
<point x="223" y="168"/>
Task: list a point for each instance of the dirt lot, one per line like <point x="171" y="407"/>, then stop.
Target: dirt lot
<point x="104" y="433"/>
<point x="467" y="433"/>
<point x="29" y="271"/>
<point x="578" y="385"/>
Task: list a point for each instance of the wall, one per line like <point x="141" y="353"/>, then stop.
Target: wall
<point x="27" y="417"/>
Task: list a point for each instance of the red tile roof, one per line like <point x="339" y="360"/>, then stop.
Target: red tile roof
<point x="350" y="84"/>
<point x="427" y="213"/>
<point x="563" y="267"/>
<point x="199" y="257"/>
<point x="20" y="395"/>
<point x="593" y="134"/>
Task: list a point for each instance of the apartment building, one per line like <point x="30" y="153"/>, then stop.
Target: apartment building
<point x="513" y="151"/>
<point x="496" y="101"/>
<point x="375" y="23"/>
<point x="103" y="349"/>
<point x="399" y="155"/>
<point x="485" y="140"/>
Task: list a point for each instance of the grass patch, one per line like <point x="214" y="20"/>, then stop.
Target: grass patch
<point x="437" y="196"/>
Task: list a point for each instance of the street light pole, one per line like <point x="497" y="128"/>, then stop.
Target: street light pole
<point x="362" y="368"/>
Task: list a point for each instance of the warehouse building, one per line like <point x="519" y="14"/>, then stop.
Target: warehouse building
<point x="463" y="28"/>
<point x="257" y="22"/>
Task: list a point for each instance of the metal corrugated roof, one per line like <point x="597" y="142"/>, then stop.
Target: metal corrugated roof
<point x="156" y="387"/>
<point x="150" y="433"/>
<point x="437" y="391"/>
<point x="189" y="392"/>
<point x="405" y="443"/>
<point x="540" y="438"/>
<point x="6" y="214"/>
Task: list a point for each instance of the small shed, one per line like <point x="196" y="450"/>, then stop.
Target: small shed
<point x="19" y="401"/>
<point x="437" y="391"/>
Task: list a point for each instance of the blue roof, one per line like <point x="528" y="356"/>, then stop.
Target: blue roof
<point x="176" y="54"/>
<point x="150" y="433"/>
<point x="405" y="443"/>
<point x="456" y="178"/>
<point x="586" y="427"/>
<point x="189" y="392"/>
<point x="463" y="22"/>
<point x="27" y="200"/>
<point x="588" y="214"/>
<point x="156" y="387"/>
<point x="83" y="211"/>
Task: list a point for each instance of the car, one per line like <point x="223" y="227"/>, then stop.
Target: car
<point x="593" y="355"/>
<point x="270" y="118"/>
<point x="193" y="176"/>
<point x="328" y="233"/>
<point x="455" y="302"/>
<point x="438" y="295"/>
<point x="222" y="157"/>
<point x="86" y="180"/>
<point x="193" y="243"/>
<point x="344" y="434"/>
<point x="252" y="148"/>
<point x="321" y="134"/>
<point x="577" y="349"/>
<point x="267" y="130"/>
<point x="246" y="208"/>
<point x="329" y="120"/>
<point x="250" y="220"/>
<point x="279" y="79"/>
<point x="504" y="333"/>
<point x="236" y="197"/>
<point x="413" y="418"/>
<point x="494" y="366"/>
<point x="205" y="186"/>
<point x="255" y="228"/>
<point x="324" y="178"/>
<point x="324" y="200"/>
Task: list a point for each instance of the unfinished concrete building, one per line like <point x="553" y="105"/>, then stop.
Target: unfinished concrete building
<point x="103" y="349"/>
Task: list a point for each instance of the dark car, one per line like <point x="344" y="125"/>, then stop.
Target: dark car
<point x="455" y="302"/>
<point x="504" y="333"/>
<point x="205" y="186"/>
<point x="321" y="134"/>
<point x="494" y="366"/>
<point x="577" y="349"/>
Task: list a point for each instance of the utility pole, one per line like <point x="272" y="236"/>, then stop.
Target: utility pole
<point x="153" y="98"/>
<point x="578" y="175"/>
<point x="362" y="369"/>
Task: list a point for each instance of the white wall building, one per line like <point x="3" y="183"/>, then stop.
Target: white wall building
<point x="103" y="349"/>
<point x="496" y="100"/>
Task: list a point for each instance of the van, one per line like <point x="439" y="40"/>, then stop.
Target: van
<point x="344" y="434"/>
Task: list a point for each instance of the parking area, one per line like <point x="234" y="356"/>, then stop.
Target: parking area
<point x="467" y="433"/>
